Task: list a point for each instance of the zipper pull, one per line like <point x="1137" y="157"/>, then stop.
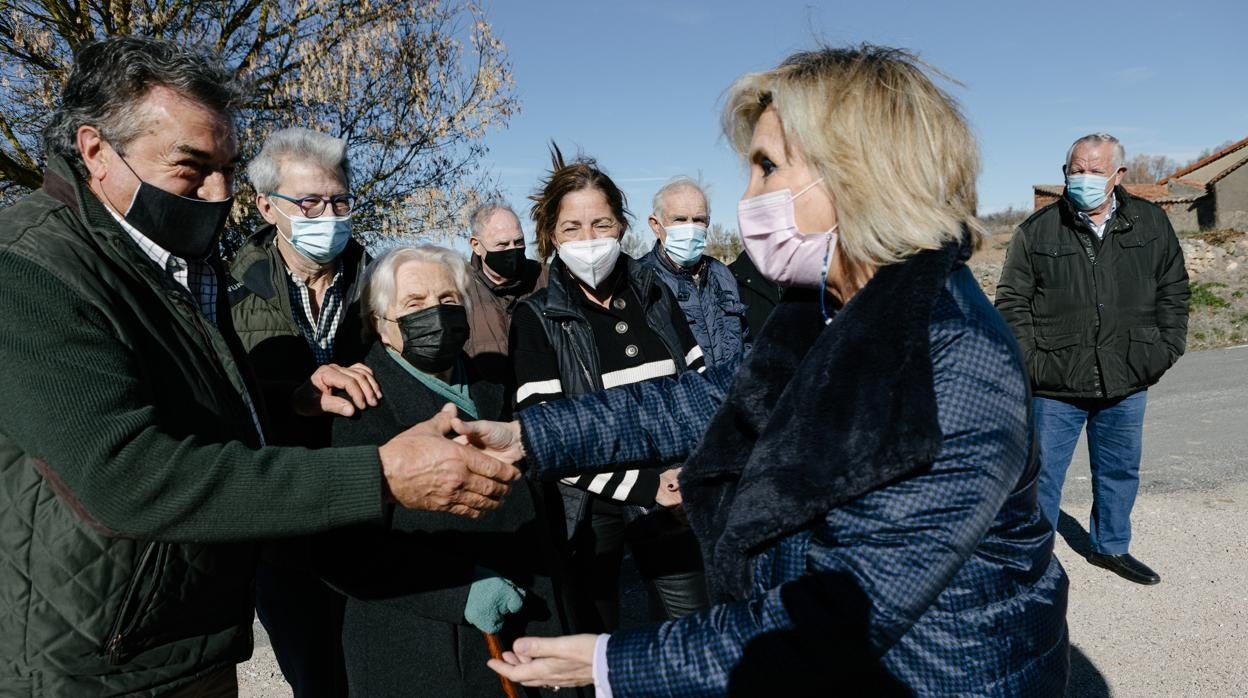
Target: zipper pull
<point x="112" y="651"/>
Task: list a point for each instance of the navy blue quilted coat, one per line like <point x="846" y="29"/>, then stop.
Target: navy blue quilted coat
<point x="865" y="497"/>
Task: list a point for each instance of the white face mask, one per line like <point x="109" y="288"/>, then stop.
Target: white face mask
<point x="591" y="261"/>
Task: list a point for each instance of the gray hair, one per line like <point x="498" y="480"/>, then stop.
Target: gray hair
<point x="110" y="79"/>
<point x="675" y="184"/>
<point x="380" y="288"/>
<point x="302" y="145"/>
<point x="481" y="215"/>
<point x="1120" y="153"/>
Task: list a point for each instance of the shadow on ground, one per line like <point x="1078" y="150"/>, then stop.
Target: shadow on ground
<point x="1086" y="681"/>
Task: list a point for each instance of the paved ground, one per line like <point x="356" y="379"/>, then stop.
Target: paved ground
<point x="1187" y="636"/>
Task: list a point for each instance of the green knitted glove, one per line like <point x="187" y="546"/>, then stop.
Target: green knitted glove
<point x="490" y="599"/>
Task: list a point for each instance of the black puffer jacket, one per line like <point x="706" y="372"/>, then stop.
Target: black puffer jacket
<point x="1096" y="318"/>
<point x="575" y="348"/>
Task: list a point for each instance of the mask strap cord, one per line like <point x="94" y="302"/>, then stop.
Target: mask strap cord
<point x="823" y="284"/>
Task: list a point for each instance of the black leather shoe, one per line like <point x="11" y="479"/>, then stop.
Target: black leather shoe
<point x="1126" y="567"/>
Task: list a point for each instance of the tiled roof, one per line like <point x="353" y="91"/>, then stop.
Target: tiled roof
<point x="1157" y="193"/>
<point x="1208" y="170"/>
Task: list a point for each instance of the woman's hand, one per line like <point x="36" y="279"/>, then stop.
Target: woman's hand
<point x="555" y="662"/>
<point x="668" y="495"/>
<point x="498" y="440"/>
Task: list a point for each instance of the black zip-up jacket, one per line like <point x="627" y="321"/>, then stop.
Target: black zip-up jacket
<point x="1096" y="318"/>
<point x="576" y="352"/>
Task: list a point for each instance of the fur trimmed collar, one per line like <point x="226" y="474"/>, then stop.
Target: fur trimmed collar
<point x="818" y="416"/>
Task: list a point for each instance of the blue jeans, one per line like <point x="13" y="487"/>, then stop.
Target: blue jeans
<point x="1115" y="432"/>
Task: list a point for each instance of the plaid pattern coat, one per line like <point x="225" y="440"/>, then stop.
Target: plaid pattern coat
<point x="939" y="580"/>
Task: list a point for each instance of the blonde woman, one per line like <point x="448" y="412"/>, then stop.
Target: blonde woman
<point x="864" y="490"/>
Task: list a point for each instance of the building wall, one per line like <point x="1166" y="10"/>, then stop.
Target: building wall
<point x="1183" y="217"/>
<point x="1231" y="194"/>
<point x="1043" y="199"/>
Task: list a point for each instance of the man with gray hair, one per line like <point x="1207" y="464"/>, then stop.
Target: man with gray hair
<point x="294" y="299"/>
<point x="134" y="474"/>
<point x="501" y="277"/>
<point x="704" y="287"/>
<point x="1095" y="290"/>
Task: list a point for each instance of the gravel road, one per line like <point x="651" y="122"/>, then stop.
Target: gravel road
<point x="1187" y="636"/>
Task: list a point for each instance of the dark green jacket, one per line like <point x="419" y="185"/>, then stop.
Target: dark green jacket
<point x="130" y="468"/>
<point x="1096" y="319"/>
<point x="263" y="318"/>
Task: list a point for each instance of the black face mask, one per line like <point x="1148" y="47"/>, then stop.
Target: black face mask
<point x="434" y="337"/>
<point x="506" y="263"/>
<point x="187" y="228"/>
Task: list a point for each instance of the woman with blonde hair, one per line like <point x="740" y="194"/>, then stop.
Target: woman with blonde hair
<point x="864" y="488"/>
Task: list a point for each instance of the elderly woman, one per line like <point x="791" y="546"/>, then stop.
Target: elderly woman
<point x="865" y="493"/>
<point x="417" y="585"/>
<point x="606" y="320"/>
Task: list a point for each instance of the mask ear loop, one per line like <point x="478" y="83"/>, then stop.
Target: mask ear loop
<point x="823" y="285"/>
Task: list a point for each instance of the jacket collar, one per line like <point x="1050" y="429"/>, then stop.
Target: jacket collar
<point x="530" y="273"/>
<point x="663" y="261"/>
<point x="817" y="416"/>
<point x="1121" y="222"/>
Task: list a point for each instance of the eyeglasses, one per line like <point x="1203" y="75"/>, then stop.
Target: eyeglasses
<point x="313" y="206"/>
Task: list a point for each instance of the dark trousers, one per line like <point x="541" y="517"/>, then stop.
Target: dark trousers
<point x="303" y="618"/>
<point x="1115" y="437"/>
<point x="666" y="553"/>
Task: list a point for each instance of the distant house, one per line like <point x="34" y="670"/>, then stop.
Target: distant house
<point x="1209" y="194"/>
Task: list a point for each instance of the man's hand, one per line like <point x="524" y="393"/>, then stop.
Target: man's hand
<point x="498" y="440"/>
<point x="549" y="661"/>
<point x="668" y="495"/>
<point x="316" y="395"/>
<point x="424" y="469"/>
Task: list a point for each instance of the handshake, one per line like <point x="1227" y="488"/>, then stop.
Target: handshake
<point x="465" y="468"/>
<point x="447" y="464"/>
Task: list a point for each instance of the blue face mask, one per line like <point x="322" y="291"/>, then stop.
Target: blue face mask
<point x="320" y="239"/>
<point x="1086" y="191"/>
<point x="685" y="243"/>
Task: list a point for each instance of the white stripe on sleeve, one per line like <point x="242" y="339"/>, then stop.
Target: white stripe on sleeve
<point x="626" y="487"/>
<point x="636" y="374"/>
<point x="694" y="354"/>
<point x="550" y="387"/>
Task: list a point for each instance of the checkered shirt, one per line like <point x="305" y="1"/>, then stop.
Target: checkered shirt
<point x="1099" y="230"/>
<point x="318" y="330"/>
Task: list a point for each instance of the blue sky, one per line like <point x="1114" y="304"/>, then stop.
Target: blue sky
<point x="637" y="84"/>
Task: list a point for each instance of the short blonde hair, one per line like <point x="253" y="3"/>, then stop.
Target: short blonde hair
<point x="380" y="286"/>
<point x="893" y="149"/>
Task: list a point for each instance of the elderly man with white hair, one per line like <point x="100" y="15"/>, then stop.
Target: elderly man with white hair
<point x="294" y="302"/>
<point x="1095" y="290"/>
<point x="704" y="287"/>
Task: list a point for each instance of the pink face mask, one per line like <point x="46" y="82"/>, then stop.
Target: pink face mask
<point x="781" y="253"/>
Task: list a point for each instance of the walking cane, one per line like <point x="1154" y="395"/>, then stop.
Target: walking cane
<point x="496" y="652"/>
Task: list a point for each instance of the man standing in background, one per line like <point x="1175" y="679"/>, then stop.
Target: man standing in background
<point x="501" y="277"/>
<point x="295" y="305"/>
<point x="703" y="286"/>
<point x="1095" y="290"/>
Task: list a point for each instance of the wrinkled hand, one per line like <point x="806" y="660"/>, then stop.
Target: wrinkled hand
<point x="549" y="661"/>
<point x="490" y="599"/>
<point x="668" y="495"/>
<point x="498" y="440"/>
<point x="316" y="395"/>
<point x="423" y="469"/>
